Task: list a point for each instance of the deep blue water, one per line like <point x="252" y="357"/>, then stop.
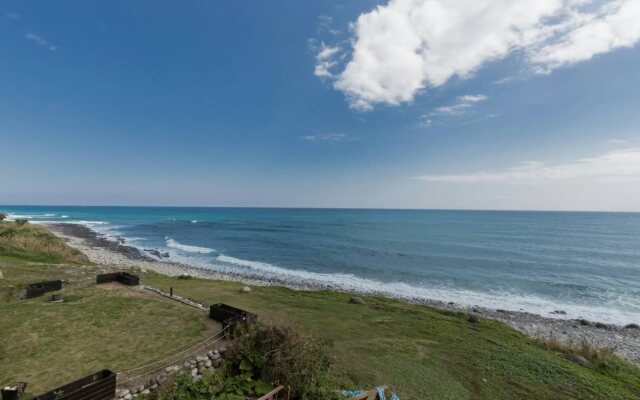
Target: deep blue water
<point x="587" y="264"/>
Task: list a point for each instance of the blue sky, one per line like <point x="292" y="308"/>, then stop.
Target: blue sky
<point x="321" y="104"/>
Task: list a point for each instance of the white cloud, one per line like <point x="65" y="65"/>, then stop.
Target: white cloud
<point x="462" y="105"/>
<point x="39" y="40"/>
<point x="325" y="60"/>
<point x="13" y="15"/>
<point x="616" y="164"/>
<point x="402" y="48"/>
<point x="327" y="137"/>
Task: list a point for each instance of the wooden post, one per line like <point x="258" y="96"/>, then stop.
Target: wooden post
<point x="171" y="291"/>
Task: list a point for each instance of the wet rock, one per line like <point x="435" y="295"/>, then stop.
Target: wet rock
<point x="585" y="322"/>
<point x="473" y="319"/>
<point x="632" y="326"/>
<point x="578" y="360"/>
<point x="559" y="312"/>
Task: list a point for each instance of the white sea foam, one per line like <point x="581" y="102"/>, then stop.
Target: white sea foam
<point x="64" y="216"/>
<point x="187" y="248"/>
<point x="491" y="299"/>
<point x="195" y="221"/>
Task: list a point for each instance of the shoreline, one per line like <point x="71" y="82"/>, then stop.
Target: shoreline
<point x="103" y="251"/>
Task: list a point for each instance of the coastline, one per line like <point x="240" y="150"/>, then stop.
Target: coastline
<point x="103" y="251"/>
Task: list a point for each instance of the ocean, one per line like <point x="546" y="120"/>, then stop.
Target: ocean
<point x="586" y="264"/>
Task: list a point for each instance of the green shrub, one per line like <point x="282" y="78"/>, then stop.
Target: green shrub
<point x="21" y="221"/>
<point x="281" y="356"/>
<point x="2" y="216"/>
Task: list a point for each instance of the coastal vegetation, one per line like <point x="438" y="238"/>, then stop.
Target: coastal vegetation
<point x="419" y="351"/>
<point x="36" y="243"/>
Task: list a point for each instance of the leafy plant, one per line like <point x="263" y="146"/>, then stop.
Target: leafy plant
<point x="281" y="356"/>
<point x="21" y="221"/>
<point x="2" y="216"/>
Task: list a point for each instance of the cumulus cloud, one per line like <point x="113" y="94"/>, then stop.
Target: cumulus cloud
<point x="327" y="137"/>
<point x="39" y="40"/>
<point x="402" y="48"/>
<point x="616" y="164"/>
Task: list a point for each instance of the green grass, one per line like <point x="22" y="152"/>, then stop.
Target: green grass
<point x="421" y="352"/>
<point x="96" y="327"/>
<point x="36" y="243"/>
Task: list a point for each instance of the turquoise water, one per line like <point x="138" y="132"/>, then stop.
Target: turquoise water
<point x="587" y="264"/>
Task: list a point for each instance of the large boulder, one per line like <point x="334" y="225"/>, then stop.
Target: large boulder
<point x="356" y="300"/>
<point x="578" y="360"/>
<point x="245" y="289"/>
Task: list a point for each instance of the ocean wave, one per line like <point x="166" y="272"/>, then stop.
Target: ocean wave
<point x="187" y="248"/>
<point x="496" y="299"/>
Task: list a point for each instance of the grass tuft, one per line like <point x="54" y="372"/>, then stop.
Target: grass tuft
<point x="35" y="243"/>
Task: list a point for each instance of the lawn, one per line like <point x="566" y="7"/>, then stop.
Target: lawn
<point x="107" y="326"/>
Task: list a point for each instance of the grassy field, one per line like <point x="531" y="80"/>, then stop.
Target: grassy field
<point x="421" y="352"/>
<point x="107" y="326"/>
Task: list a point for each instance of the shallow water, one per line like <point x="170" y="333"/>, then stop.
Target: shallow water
<point x="587" y="264"/>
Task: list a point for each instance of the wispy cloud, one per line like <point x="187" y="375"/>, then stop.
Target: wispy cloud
<point x="616" y="164"/>
<point x="325" y="60"/>
<point x="619" y="141"/>
<point x="327" y="137"/>
<point x="40" y="41"/>
<point x="403" y="47"/>
<point x="12" y="15"/>
<point x="461" y="106"/>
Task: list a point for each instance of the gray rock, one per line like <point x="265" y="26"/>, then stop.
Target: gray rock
<point x="192" y="362"/>
<point x="632" y="326"/>
<point x="128" y="396"/>
<point x="186" y="364"/>
<point x="221" y="350"/>
<point x="145" y="392"/>
<point x="169" y="369"/>
<point x="216" y="356"/>
<point x="135" y="395"/>
<point x="603" y="326"/>
<point x="356" y="300"/>
<point x="208" y="364"/>
<point x="578" y="360"/>
<point x="122" y="392"/>
<point x="162" y="378"/>
<point x="245" y="289"/>
<point x="216" y="363"/>
<point x="584" y="322"/>
<point x="210" y="354"/>
<point x="473" y="319"/>
<point x="194" y="372"/>
<point x="201" y="358"/>
<point x="559" y="312"/>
